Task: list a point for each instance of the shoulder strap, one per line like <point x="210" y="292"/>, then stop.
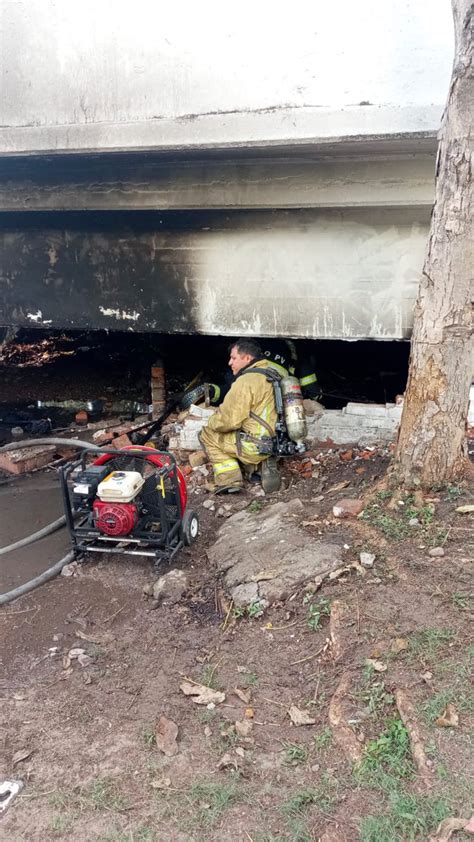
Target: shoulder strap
<point x="269" y="373"/>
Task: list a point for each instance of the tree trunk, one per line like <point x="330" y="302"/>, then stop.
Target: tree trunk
<point x="431" y="448"/>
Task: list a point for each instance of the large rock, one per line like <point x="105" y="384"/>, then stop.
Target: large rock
<point x="168" y="588"/>
<point x="266" y="556"/>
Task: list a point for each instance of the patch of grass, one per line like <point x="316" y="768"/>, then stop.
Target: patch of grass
<point x="323" y="739"/>
<point x="295" y="753"/>
<point x="206" y="716"/>
<point x="149" y="737"/>
<point x="435" y="706"/>
<point x="61" y="824"/>
<point x="319" y="609"/>
<point x="396" y="529"/>
<point x="294" y="808"/>
<point x="255" y="506"/>
<point x="453" y="492"/>
<point x="144" y="833"/>
<point x="387" y="757"/>
<point x="376" y="697"/>
<point x="103" y="794"/>
<point x="462" y="601"/>
<point x="409" y="817"/>
<point x="427" y="644"/>
<point x="212" y="798"/>
<point x="250" y="679"/>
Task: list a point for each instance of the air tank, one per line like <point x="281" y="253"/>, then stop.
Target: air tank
<point x="294" y="410"/>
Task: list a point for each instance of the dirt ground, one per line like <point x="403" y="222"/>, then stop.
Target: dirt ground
<point x="83" y="738"/>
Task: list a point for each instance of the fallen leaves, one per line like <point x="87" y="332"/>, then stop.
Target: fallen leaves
<point x="464" y="510"/>
<point x="20" y="755"/>
<point x="202" y="695"/>
<point x="300" y="717"/>
<point x="166" y="735"/>
<point x="99" y="639"/>
<point x="243" y="695"/>
<point x="377" y="666"/>
<point x="399" y="644"/>
<point x="449" y="718"/>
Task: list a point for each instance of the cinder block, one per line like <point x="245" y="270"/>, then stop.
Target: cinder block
<point x="26" y="459"/>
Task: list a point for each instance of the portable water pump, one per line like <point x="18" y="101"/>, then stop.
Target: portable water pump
<point x="132" y="501"/>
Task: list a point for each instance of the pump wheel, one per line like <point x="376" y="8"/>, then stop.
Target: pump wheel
<point x="190" y="527"/>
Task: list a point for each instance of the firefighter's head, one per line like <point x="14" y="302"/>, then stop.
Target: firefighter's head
<point x="243" y="353"/>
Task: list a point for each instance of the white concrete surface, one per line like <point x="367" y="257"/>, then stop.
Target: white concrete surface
<point x="106" y="74"/>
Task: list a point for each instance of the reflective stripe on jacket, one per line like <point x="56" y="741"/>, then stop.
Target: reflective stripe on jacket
<point x="249" y="394"/>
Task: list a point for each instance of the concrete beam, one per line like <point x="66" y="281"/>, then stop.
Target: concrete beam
<point x="265" y="184"/>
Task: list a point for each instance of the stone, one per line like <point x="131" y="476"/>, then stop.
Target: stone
<point x="367" y="559"/>
<point x="209" y="504"/>
<point x="197" y="458"/>
<point x="436" y="552"/>
<point x="266" y="556"/>
<point x="413" y="521"/>
<point x="170" y="587"/>
<point x="347" y="507"/>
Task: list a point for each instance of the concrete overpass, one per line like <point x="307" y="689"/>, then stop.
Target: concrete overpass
<point x="175" y="170"/>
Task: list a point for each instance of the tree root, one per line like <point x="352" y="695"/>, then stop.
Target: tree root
<point x="446" y="829"/>
<point x="408" y="716"/>
<point x="343" y="734"/>
<point x="338" y="612"/>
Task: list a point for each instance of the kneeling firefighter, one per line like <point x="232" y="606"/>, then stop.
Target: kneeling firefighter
<point x="261" y="417"/>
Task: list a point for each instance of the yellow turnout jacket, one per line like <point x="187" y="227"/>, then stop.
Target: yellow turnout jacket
<point x="250" y="394"/>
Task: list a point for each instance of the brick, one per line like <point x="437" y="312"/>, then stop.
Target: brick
<point x="26" y="459"/>
<point x="121" y="441"/>
<point x="348" y="507"/>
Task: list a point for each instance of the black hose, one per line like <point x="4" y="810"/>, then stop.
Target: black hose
<point x="35" y="536"/>
<point x="38" y="580"/>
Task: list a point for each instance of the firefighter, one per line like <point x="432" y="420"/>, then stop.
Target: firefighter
<point x="282" y="354"/>
<point x="243" y="428"/>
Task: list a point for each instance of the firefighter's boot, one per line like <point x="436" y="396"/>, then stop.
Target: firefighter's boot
<point x="271" y="477"/>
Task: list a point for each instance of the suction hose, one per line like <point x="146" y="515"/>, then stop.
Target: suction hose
<point x="35" y="536"/>
<point x="53" y="571"/>
<point x="48" y="574"/>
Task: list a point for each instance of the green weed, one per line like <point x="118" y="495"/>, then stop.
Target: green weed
<point x="319" y="609"/>
<point x="250" y="679"/>
<point x="323" y="740"/>
<point x="295" y="753"/>
<point x="255" y="609"/>
<point x="255" y="506"/>
<point x="387" y="757"/>
<point x="209" y="676"/>
<point x="462" y="601"/>
<point x="149" y="737"/>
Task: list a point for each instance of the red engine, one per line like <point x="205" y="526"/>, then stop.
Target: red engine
<point x="115" y="518"/>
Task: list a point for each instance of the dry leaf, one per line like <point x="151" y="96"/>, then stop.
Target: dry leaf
<point x="166" y="734"/>
<point x="446" y="829"/>
<point x="202" y="695"/>
<point x="399" y="644"/>
<point x="244" y="695"/>
<point x="21" y="754"/>
<point x="249" y="713"/>
<point x="161" y="783"/>
<point x="239" y="750"/>
<point x="464" y="510"/>
<point x="300" y="717"/>
<point x="74" y="653"/>
<point x="378" y="666"/>
<point x="449" y="718"/>
<point x="339" y="486"/>
<point x="243" y="729"/>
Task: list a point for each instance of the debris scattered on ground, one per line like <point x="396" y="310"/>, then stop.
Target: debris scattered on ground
<point x="26" y="459"/>
<point x="21" y="755"/>
<point x="71" y="569"/>
<point x="166" y="735"/>
<point x="367" y="559"/>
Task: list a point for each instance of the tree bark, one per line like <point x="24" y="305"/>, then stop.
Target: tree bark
<point x="431" y="448"/>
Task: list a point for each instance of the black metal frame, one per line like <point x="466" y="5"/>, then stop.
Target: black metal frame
<point x="160" y="545"/>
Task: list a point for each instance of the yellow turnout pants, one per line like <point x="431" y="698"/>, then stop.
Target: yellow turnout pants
<point x="223" y="450"/>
